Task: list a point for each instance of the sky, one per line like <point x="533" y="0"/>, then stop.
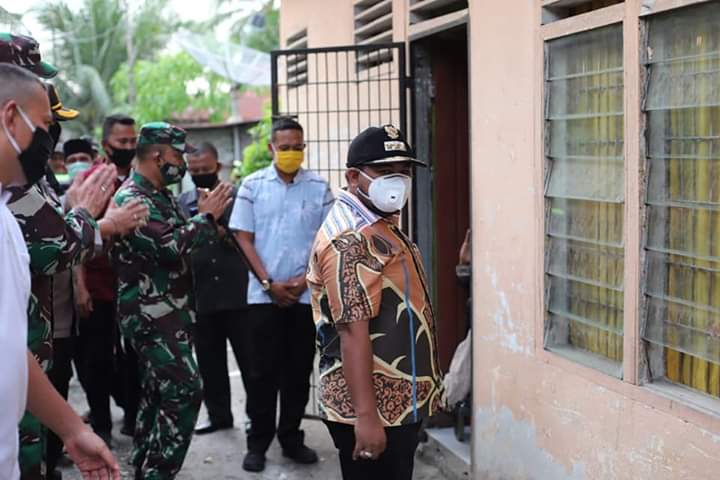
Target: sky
<point x="185" y="9"/>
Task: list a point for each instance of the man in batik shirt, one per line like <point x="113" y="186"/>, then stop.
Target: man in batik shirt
<point x="376" y="331"/>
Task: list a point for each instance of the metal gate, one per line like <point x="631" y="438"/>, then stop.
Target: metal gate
<point x="335" y="93"/>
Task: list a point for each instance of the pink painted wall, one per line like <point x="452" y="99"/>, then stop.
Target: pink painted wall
<point x="537" y="417"/>
<point x="328" y="22"/>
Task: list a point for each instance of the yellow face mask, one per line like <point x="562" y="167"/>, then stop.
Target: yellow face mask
<point x="289" y="161"/>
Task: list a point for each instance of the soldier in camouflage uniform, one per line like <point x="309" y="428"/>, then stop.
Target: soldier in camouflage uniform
<point x="55" y="244"/>
<point x="154" y="306"/>
<point x="56" y="241"/>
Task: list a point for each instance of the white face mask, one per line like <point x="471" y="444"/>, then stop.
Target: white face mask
<point x="388" y="193"/>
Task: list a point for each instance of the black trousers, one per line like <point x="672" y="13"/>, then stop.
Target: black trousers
<point x="96" y="355"/>
<point x="395" y="463"/>
<point x="278" y="351"/>
<point x="59" y="375"/>
<point x="128" y="381"/>
<point x="212" y="332"/>
<point x="106" y="367"/>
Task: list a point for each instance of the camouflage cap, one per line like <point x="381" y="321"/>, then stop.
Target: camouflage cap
<point x="24" y="52"/>
<point x="163" y="133"/>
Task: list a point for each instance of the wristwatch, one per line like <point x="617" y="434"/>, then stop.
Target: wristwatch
<point x="266" y="284"/>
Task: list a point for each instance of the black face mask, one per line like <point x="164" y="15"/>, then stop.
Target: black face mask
<point x="34" y="159"/>
<point x="122" y="157"/>
<point x="206" y="180"/>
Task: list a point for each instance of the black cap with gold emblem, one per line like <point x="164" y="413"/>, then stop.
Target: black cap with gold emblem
<point x="378" y="145"/>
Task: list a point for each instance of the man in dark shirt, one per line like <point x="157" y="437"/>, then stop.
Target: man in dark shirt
<point x="105" y="367"/>
<point x="220" y="285"/>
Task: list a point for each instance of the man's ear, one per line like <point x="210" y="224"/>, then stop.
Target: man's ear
<point x="8" y="118"/>
<point x="270" y="148"/>
<point x="352" y="177"/>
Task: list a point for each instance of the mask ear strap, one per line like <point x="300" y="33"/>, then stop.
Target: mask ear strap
<point x="26" y="119"/>
<point x="10" y="138"/>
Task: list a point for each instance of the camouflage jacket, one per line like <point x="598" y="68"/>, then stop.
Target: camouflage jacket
<point x="154" y="279"/>
<point x="56" y="243"/>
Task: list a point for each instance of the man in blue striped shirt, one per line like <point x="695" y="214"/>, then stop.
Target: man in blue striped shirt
<point x="277" y="213"/>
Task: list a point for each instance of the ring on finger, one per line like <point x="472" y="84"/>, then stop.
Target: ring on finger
<point x="365" y="454"/>
<point x="103" y="188"/>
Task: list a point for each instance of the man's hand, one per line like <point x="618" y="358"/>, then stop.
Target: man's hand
<point x="370" y="439"/>
<point x="83" y="301"/>
<point x="86" y="449"/>
<point x="466" y="250"/>
<point x="91" y="455"/>
<point x="297" y="285"/>
<point x="127" y="218"/>
<point x="94" y="192"/>
<point x="216" y="202"/>
<point x="282" y="293"/>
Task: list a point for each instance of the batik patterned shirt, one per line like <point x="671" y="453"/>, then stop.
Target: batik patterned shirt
<point x="364" y="268"/>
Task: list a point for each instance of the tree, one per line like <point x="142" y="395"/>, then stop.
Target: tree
<point x="260" y="30"/>
<point x="256" y="155"/>
<point x="90" y="47"/>
<point x="164" y="89"/>
<point x="11" y="22"/>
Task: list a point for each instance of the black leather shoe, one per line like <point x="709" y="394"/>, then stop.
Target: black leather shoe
<point x="254" y="462"/>
<point x="303" y="455"/>
<point x="209" y="427"/>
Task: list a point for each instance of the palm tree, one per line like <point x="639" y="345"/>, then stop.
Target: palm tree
<point x="11" y="22"/>
<point x="255" y="28"/>
<point x="90" y="46"/>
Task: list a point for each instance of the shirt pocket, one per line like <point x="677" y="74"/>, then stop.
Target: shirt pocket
<point x="311" y="212"/>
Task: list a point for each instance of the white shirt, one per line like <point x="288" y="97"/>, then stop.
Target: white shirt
<point x="14" y="297"/>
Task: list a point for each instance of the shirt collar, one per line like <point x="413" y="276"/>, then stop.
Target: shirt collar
<point x="143" y="182"/>
<point x="358" y="207"/>
<point x="274" y="175"/>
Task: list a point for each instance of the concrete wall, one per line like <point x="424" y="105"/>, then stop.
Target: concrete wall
<point x="536" y="416"/>
<point x="223" y="138"/>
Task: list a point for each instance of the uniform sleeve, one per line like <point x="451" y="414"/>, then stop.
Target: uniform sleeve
<point x="328" y="201"/>
<point x="164" y="241"/>
<point x="55" y="243"/>
<point x="243" y="213"/>
<point x="351" y="276"/>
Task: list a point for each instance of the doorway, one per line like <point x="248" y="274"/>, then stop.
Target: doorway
<point x="442" y="193"/>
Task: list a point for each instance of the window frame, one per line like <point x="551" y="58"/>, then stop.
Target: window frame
<point x="673" y="399"/>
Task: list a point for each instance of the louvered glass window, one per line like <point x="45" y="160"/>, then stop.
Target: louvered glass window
<point x="682" y="286"/>
<point x="584" y="197"/>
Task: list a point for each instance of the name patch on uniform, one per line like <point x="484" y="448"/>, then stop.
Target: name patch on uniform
<point x="395" y="146"/>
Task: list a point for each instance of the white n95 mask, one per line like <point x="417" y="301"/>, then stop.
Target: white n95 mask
<point x="388" y="193"/>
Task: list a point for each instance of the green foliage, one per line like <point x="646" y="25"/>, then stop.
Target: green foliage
<point x="90" y="47"/>
<point x="256" y="155"/>
<point x="162" y="89"/>
<point x="259" y="30"/>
